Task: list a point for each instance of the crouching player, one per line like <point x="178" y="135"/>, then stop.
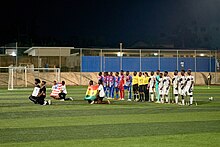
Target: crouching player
<point x="175" y="85"/>
<point x="128" y="84"/>
<point x="63" y="93"/>
<point x="189" y="85"/>
<point x="101" y="94"/>
<point x="166" y="86"/>
<point x="39" y="93"/>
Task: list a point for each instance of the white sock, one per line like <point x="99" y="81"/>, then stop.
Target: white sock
<point x="191" y="100"/>
<point x="152" y="97"/>
<point x="166" y="99"/>
<point x="162" y="99"/>
<point x="183" y="102"/>
<point x="176" y="99"/>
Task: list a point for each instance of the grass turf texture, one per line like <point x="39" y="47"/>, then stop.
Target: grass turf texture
<point x="76" y="123"/>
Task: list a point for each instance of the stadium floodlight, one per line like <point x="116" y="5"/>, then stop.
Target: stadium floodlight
<point x="119" y="54"/>
<point x="202" y="55"/>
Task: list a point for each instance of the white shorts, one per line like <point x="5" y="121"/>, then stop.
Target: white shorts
<point x="181" y="91"/>
<point x="188" y="91"/>
<point x="151" y="90"/>
<point x="166" y="91"/>
<point x="175" y="91"/>
<point x="160" y="92"/>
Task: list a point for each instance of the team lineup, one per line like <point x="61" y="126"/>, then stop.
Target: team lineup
<point x="153" y="88"/>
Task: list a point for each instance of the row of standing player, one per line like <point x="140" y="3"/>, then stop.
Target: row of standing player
<point x="145" y="86"/>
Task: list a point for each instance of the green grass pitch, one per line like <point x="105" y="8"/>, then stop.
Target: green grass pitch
<point x="76" y="123"/>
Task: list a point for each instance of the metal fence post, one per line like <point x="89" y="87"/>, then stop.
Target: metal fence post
<point x="195" y="65"/>
<point x="80" y="81"/>
<point x="140" y="61"/>
<point x="101" y="60"/>
<point x="177" y="60"/>
<point x="121" y="56"/>
<point x="210" y="61"/>
<point x="159" y="59"/>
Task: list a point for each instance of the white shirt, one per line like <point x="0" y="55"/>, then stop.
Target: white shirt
<point x="175" y="81"/>
<point x="63" y="88"/>
<point x="166" y="81"/>
<point x="101" y="91"/>
<point x="182" y="80"/>
<point x="152" y="80"/>
<point x="54" y="87"/>
<point x="189" y="80"/>
<point x="160" y="83"/>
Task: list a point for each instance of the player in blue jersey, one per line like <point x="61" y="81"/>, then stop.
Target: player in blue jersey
<point x="117" y="80"/>
<point x="111" y="85"/>
<point x="128" y="84"/>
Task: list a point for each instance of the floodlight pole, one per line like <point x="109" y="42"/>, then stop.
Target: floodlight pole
<point x="177" y="60"/>
<point x="140" y="61"/>
<point x="120" y="56"/>
<point x="16" y="47"/>
<point x="195" y="65"/>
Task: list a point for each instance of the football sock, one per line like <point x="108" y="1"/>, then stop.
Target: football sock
<point x="191" y="100"/>
<point x="176" y="99"/>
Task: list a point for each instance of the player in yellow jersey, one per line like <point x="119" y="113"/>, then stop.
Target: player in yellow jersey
<point x="146" y="88"/>
<point x="135" y="85"/>
<point x="141" y="86"/>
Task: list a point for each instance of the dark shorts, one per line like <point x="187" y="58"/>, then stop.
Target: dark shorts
<point x="135" y="87"/>
<point x="141" y="88"/>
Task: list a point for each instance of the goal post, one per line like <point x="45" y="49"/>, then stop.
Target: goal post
<point x="23" y="77"/>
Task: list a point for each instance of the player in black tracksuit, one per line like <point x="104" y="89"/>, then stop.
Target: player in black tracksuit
<point x="39" y="99"/>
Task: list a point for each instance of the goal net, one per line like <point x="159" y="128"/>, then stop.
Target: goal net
<point x="23" y="77"/>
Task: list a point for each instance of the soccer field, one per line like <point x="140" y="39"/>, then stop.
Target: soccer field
<point x="77" y="123"/>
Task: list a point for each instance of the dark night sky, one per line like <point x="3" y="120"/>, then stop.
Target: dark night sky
<point x="85" y="23"/>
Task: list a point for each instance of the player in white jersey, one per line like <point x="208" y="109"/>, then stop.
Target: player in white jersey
<point x="182" y="80"/>
<point x="188" y="86"/>
<point x="166" y="86"/>
<point x="160" y="87"/>
<point x="151" y="86"/>
<point x="175" y="82"/>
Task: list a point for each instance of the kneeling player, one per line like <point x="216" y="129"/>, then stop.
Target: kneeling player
<point x="166" y="86"/>
<point x="39" y="93"/>
<point x="63" y="93"/>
